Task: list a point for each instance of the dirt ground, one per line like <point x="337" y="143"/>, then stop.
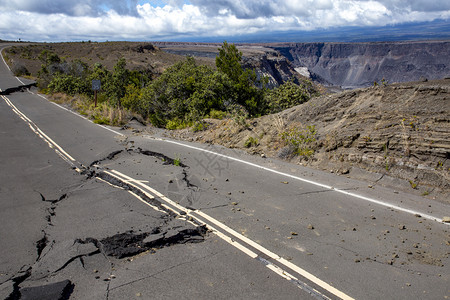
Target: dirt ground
<point x="139" y="55"/>
<point x="395" y="135"/>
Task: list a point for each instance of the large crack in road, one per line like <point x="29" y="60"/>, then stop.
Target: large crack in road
<point x="20" y="88"/>
<point x="55" y="256"/>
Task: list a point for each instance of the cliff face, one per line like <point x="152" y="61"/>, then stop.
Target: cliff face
<point x="277" y="69"/>
<point x="361" y="64"/>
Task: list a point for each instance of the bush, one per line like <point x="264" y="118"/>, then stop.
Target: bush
<point x="217" y="114"/>
<point x="184" y="92"/>
<point x="287" y="95"/>
<point x="199" y="126"/>
<point x="300" y="140"/>
<point x="250" y="142"/>
<point x="176" y="124"/>
<point x="20" y="70"/>
<point x="68" y="84"/>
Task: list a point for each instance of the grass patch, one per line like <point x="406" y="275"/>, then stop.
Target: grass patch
<point x="177" y="161"/>
<point x="251" y="142"/>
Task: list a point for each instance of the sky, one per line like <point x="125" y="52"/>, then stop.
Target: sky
<point x="172" y="20"/>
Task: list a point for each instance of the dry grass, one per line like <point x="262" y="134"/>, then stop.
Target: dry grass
<point x="102" y="114"/>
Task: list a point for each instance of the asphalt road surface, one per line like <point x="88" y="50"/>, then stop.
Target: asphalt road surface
<point x="93" y="212"/>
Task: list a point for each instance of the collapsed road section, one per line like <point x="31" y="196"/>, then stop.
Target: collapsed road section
<point x="67" y="246"/>
<point x="20" y="88"/>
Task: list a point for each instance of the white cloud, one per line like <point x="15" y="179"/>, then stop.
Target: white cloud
<point x="119" y="19"/>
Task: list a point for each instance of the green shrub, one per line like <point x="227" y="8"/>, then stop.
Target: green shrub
<point x="199" y="126"/>
<point x="176" y="124"/>
<point x="177" y="161"/>
<point x="251" y="142"/>
<point x="287" y="95"/>
<point x="300" y="140"/>
<point x="217" y="114"/>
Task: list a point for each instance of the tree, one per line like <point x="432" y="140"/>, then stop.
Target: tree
<point x="229" y="61"/>
<point x="245" y="82"/>
<point x="184" y="93"/>
<point x="119" y="80"/>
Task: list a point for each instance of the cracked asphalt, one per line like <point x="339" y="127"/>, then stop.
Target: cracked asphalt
<point x="68" y="235"/>
<point x="84" y="231"/>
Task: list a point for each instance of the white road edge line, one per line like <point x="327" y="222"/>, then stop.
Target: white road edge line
<point x="76" y="114"/>
<point x="37" y="130"/>
<point x="224" y="227"/>
<point x="4" y="61"/>
<point x="368" y="199"/>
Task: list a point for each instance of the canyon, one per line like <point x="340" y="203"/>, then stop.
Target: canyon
<point x="361" y="64"/>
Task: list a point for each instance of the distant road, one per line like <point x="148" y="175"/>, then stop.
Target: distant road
<point x="76" y="197"/>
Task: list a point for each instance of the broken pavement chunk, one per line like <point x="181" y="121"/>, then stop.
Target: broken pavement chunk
<point x="58" y="290"/>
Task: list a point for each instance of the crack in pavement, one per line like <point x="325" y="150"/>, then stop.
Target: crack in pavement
<point x="130" y="244"/>
<point x="52" y="208"/>
<point x="121" y="184"/>
<point x="53" y="257"/>
<point x="41" y="244"/>
<point x="15" y="294"/>
<point x="110" y="156"/>
<point x="166" y="160"/>
<point x="162" y="157"/>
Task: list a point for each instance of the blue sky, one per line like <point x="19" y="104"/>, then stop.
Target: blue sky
<point x="100" y="20"/>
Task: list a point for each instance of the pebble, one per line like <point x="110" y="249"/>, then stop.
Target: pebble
<point x="310" y="226"/>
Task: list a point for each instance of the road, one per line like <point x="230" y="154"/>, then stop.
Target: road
<point x="94" y="212"/>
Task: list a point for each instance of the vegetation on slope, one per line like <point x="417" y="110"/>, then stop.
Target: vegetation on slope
<point x="182" y="95"/>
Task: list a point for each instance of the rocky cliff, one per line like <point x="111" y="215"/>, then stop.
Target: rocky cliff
<point x="361" y="64"/>
<point x="276" y="68"/>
